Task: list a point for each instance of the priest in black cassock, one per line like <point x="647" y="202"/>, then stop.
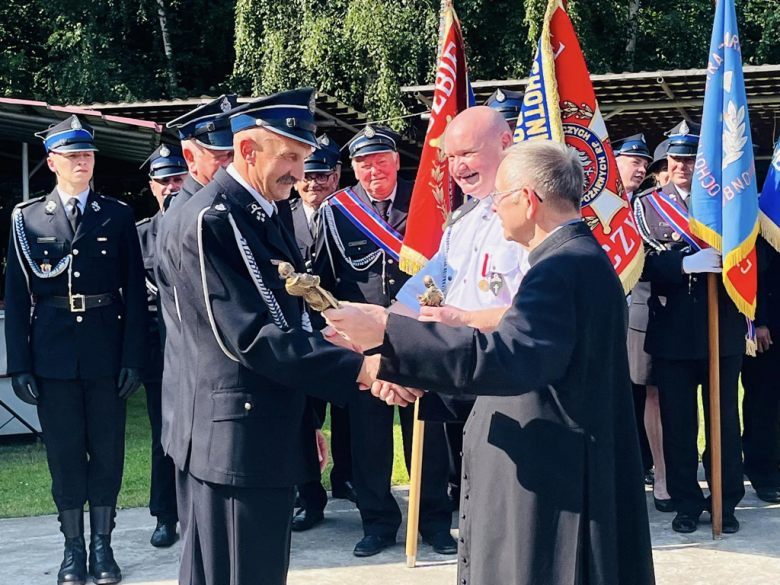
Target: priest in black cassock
<point x="552" y="487"/>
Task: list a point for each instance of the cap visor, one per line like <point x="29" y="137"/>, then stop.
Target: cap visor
<point x="75" y="147"/>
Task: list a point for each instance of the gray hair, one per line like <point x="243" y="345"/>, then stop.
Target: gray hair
<point x="550" y="168"/>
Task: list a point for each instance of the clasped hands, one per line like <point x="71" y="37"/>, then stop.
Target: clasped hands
<point x="360" y="327"/>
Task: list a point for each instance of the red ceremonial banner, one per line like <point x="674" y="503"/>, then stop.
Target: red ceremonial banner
<point x="435" y="193"/>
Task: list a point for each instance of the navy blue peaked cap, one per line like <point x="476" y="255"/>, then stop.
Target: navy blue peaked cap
<point x="684" y="139"/>
<point x="372" y="140"/>
<point x="507" y="102"/>
<point x="71" y="135"/>
<point x="632" y="146"/>
<point x="659" y="157"/>
<point x="209" y="123"/>
<point x="166" y="161"/>
<point x="325" y="157"/>
<point x="287" y="113"/>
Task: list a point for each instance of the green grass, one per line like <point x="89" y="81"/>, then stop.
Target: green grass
<point x="25" y="485"/>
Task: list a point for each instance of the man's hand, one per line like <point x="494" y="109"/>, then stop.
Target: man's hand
<point x="25" y="387"/>
<point x="363" y="325"/>
<point x="338" y="340"/>
<point x="447" y="315"/>
<point x="368" y="371"/>
<point x="322" y="449"/>
<point x="394" y="394"/>
<point x="129" y="381"/>
<point x="705" y="260"/>
<point x="763" y="339"/>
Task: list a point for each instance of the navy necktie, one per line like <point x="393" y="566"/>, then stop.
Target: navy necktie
<point x="74" y="213"/>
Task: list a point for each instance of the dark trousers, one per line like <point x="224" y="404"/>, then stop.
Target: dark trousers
<point x="313" y="495"/>
<point x="235" y="535"/>
<point x="372" y="459"/>
<point x="761" y="416"/>
<point x="162" y="495"/>
<point x="83" y="424"/>
<point x="640" y="397"/>
<point x="678" y="382"/>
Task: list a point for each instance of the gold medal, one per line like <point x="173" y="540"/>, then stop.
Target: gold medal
<point x="483" y="285"/>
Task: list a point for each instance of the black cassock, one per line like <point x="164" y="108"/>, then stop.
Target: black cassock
<point x="552" y="488"/>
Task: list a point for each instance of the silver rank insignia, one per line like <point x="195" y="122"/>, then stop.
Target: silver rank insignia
<point x="258" y="212"/>
<point x="224" y="105"/>
<point x="220" y="207"/>
<point x="369" y="132"/>
<point x="50" y="207"/>
<point x="164" y="152"/>
<point x="95" y="206"/>
<point x="313" y="102"/>
<point x="324" y="140"/>
<point x="684" y="130"/>
<point x="75" y="124"/>
<point x="496" y="283"/>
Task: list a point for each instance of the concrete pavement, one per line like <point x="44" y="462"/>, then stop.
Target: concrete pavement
<point x="31" y="550"/>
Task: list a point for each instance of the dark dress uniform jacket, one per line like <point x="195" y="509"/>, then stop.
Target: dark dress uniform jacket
<point x="303" y="235"/>
<point x="552" y="488"/>
<point x="241" y="415"/>
<point x="677" y="326"/>
<point x="106" y="258"/>
<point x="147" y="235"/>
<point x="363" y="286"/>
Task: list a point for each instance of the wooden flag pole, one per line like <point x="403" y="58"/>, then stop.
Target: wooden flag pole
<point x="716" y="482"/>
<point x="415" y="481"/>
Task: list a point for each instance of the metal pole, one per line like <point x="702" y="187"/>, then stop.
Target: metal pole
<point x="25" y="172"/>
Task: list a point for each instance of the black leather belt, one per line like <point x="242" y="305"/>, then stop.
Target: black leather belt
<point x="77" y="303"/>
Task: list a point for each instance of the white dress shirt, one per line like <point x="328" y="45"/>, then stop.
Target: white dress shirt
<point x="478" y="252"/>
<point x="268" y="206"/>
<point x="65" y="198"/>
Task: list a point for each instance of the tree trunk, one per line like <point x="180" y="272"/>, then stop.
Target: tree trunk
<point x="633" y="26"/>
<point x="163" y="15"/>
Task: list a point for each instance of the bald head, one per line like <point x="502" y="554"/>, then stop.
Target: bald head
<point x="474" y="144"/>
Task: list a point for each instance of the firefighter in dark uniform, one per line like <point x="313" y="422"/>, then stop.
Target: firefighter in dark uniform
<point x="320" y="180"/>
<point x="207" y="144"/>
<point x="356" y="269"/>
<point x="760" y="375"/>
<point x="507" y="102"/>
<point x="74" y="259"/>
<point x="677" y="340"/>
<point x="167" y="170"/>
<point x="244" y="434"/>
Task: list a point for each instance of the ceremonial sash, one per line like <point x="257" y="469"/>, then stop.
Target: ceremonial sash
<point x="676" y="216"/>
<point x="678" y="219"/>
<point x="368" y="222"/>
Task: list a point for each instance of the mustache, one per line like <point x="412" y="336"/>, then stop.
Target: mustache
<point x="287" y="179"/>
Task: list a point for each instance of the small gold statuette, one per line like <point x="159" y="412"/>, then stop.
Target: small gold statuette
<point x="308" y="287"/>
<point x="433" y="297"/>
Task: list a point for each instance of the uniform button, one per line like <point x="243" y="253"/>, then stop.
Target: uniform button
<point x="79" y="319"/>
<point x="462" y="582"/>
<point x="119" y="316"/>
<point x="466" y="477"/>
<point x="466" y="496"/>
<point x="476" y="249"/>
<point x="462" y="540"/>
<point x="390" y="261"/>
<point x="464" y="433"/>
<point x="462" y="516"/>
<point x="465" y="560"/>
<point x="449" y="278"/>
<point x="77" y="274"/>
<point x="695" y="279"/>
<point x="75" y="252"/>
<point x="392" y="281"/>
<point x="247" y="406"/>
<point x="461" y="454"/>
<point x="45" y="252"/>
<point x="392" y="302"/>
<point x="103" y="252"/>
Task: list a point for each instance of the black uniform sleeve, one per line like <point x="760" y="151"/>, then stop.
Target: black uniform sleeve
<point x="765" y="255"/>
<point x="531" y="347"/>
<point x="134" y="296"/>
<point x="17" y="313"/>
<point x="245" y="328"/>
<point x="663" y="266"/>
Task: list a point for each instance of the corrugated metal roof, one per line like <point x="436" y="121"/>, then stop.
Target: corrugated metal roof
<point x="654" y="101"/>
<point x="115" y="136"/>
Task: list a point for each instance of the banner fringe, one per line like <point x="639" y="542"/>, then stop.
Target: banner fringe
<point x="548" y="71"/>
<point x="633" y="272"/>
<point x="411" y="261"/>
<point x="770" y="231"/>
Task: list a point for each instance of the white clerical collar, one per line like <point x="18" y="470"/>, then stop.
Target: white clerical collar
<point x="267" y="206"/>
<point x="65" y="198"/>
<point x="391" y="198"/>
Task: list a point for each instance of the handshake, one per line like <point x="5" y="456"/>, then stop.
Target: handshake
<point x="359" y="328"/>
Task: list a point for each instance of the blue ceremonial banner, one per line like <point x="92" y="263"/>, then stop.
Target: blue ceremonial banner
<point x="724" y="198"/>
<point x="769" y="202"/>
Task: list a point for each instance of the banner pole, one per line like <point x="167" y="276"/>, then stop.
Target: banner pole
<point x="716" y="482"/>
<point x="415" y="482"/>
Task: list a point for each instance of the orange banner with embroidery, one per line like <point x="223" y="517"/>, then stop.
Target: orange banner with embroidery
<point x="560" y="104"/>
<point x="435" y="192"/>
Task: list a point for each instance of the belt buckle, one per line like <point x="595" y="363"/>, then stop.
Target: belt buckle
<point x="78" y="303"/>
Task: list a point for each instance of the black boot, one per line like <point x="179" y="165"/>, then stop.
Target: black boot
<point x="73" y="570"/>
<point x="102" y="565"/>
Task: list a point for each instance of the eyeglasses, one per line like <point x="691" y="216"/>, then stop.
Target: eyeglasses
<point x="319" y="178"/>
<point x="498" y="196"/>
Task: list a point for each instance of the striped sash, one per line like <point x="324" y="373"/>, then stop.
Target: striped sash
<point x="368" y="222"/>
